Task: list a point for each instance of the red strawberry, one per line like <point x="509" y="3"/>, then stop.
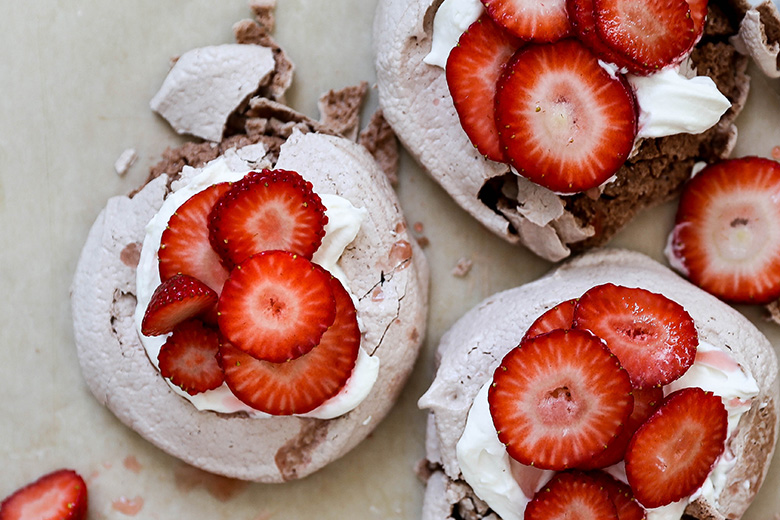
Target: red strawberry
<point x="653" y="337"/>
<point x="699" y="16"/>
<point x="60" y="495"/>
<point x="726" y="238"/>
<point x="276" y="306"/>
<point x="671" y="455"/>
<point x="176" y="300"/>
<point x="653" y="34"/>
<point x="264" y="211"/>
<point x="531" y="19"/>
<point x="300" y="385"/>
<point x="558" y="399"/>
<point x="185" y="246"/>
<point x="646" y="401"/>
<point x="473" y="68"/>
<point x="189" y="358"/>
<point x="621" y="495"/>
<point x="559" y="317"/>
<point x="565" y="123"/>
<point x="571" y="495"/>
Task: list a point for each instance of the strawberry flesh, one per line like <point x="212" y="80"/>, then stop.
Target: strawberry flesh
<point x="276" y="306"/>
<point x="189" y="358"/>
<point x="473" y="67"/>
<point x="671" y="455"/>
<point x="530" y="19"/>
<point x="560" y="382"/>
<point x="571" y="495"/>
<point x="565" y="123"/>
<point x="60" y="495"/>
<point x="176" y="300"/>
<point x="300" y="385"/>
<point x="654" y="337"/>
<point x="559" y="317"/>
<point x="726" y="237"/>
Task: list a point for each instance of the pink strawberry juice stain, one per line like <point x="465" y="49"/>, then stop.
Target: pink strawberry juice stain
<point x="132" y="464"/>
<point x="128" y="506"/>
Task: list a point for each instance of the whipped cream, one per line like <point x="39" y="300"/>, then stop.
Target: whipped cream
<point x="507" y="486"/>
<point x="344" y="221"/>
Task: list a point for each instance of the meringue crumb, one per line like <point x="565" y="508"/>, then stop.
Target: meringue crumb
<point x="462" y="267"/>
<point x="125" y="161"/>
<point x="776" y="153"/>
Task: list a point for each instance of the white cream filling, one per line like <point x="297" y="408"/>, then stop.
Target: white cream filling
<point x="344" y="222"/>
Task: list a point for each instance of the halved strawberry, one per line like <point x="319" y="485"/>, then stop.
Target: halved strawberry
<point x="473" y="68"/>
<point x="276" y="306"/>
<point x="571" y="495"/>
<point x="565" y="123"/>
<point x="185" y="246"/>
<point x="189" y="358"/>
<point x="60" y="495"/>
<point x="671" y="455"/>
<point x="176" y="300"/>
<point x="654" y="337"/>
<point x="303" y="384"/>
<point x="559" y="317"/>
<point x="620" y="494"/>
<point x="726" y="237"/>
<point x="530" y="19"/>
<point x="272" y="209"/>
<point x="653" y="34"/>
<point x="558" y="399"/>
<point x="699" y="16"/>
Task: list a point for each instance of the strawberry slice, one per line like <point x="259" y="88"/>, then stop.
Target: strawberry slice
<point x="189" y="358"/>
<point x="558" y="399"/>
<point x="654" y="337"/>
<point x="267" y="210"/>
<point x="473" y="67"/>
<point x="699" y="16"/>
<point x="726" y="238"/>
<point x="571" y="495"/>
<point x="620" y="494"/>
<point x="303" y="384"/>
<point x="60" y="495"/>
<point x="185" y="246"/>
<point x="671" y="455"/>
<point x="653" y="34"/>
<point x="276" y="306"/>
<point x="176" y="300"/>
<point x="530" y="19"/>
<point x="559" y="317"/>
<point x="565" y="123"/>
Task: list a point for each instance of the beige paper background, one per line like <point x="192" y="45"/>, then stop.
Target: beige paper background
<point x="75" y="81"/>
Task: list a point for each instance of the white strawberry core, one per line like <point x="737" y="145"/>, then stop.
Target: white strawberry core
<point x="742" y="233"/>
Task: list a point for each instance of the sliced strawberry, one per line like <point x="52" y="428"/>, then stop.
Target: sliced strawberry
<point x="189" y="358"/>
<point x="671" y="455"/>
<point x="176" y="300"/>
<point x="276" y="306"/>
<point x="654" y="337"/>
<point x="558" y="399"/>
<point x="699" y="16"/>
<point x="60" y="495"/>
<point x="303" y="384"/>
<point x="726" y="238"/>
<point x="267" y="210"/>
<point x="473" y="68"/>
<point x="653" y="34"/>
<point x="185" y="246"/>
<point x="559" y="317"/>
<point x="530" y="19"/>
<point x="646" y="402"/>
<point x="565" y="123"/>
<point x="621" y="495"/>
<point x="571" y="495"/>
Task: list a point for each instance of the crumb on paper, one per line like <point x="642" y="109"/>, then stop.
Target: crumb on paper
<point x="380" y="141"/>
<point x="340" y="109"/>
<point x="125" y="161"/>
<point x="462" y="267"/>
<point x="418" y="228"/>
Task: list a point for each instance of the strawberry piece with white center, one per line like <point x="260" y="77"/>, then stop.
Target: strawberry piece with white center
<point x="559" y="317"/>
<point x="276" y="306"/>
<point x="60" y="495"/>
<point x="185" y="246"/>
<point x="652" y="34"/>
<point x="571" y="495"/>
<point x="654" y="337"/>
<point x="565" y="123"/>
<point x="303" y="384"/>
<point x="620" y="494"/>
<point x="176" y="300"/>
<point x="268" y="210"/>
<point x="530" y="19"/>
<point x="726" y="237"/>
<point x="558" y="399"/>
<point x="189" y="358"/>
<point x="671" y="455"/>
<point x="473" y="67"/>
